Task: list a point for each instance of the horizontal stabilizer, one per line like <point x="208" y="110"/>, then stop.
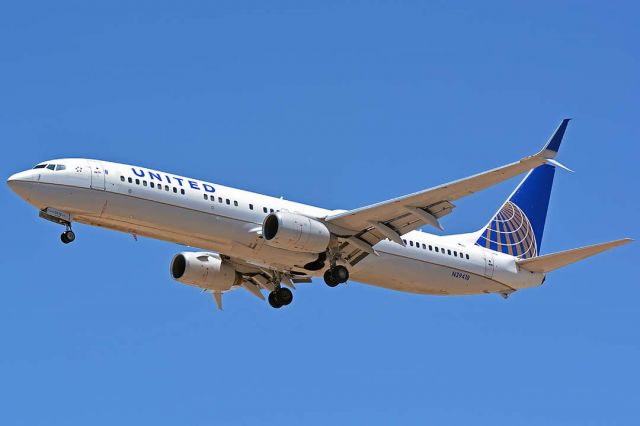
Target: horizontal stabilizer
<point x="550" y="262"/>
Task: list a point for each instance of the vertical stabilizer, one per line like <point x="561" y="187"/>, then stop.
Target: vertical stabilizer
<point x="517" y="228"/>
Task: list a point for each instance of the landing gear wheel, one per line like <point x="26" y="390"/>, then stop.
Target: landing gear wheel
<point x="336" y="275"/>
<point x="284" y="296"/>
<point x="273" y="300"/>
<point x="67" y="237"/>
<point x="329" y="279"/>
<point x="340" y="274"/>
<point x="280" y="297"/>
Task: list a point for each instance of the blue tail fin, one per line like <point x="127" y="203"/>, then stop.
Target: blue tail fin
<point x="517" y="228"/>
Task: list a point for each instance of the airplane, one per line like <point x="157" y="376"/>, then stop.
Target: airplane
<point x="258" y="242"/>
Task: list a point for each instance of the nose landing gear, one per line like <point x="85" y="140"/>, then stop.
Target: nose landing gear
<point x="61" y="218"/>
<point x="68" y="236"/>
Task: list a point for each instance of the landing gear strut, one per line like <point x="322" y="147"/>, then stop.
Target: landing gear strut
<point x="280" y="297"/>
<point x="336" y="275"/>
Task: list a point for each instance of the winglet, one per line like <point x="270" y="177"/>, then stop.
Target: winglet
<point x="555" y="163"/>
<point x="550" y="150"/>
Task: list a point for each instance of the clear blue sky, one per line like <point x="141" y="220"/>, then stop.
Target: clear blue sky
<point x="337" y="104"/>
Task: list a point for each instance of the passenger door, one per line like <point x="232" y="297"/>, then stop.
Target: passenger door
<point x="97" y="175"/>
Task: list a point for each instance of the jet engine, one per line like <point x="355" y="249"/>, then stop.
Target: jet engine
<point x="295" y="232"/>
<point x="204" y="270"/>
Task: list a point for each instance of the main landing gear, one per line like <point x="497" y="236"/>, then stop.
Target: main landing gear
<point x="280" y="297"/>
<point x="336" y="275"/>
<point x="68" y="236"/>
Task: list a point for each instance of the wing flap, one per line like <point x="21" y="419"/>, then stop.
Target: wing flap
<point x="550" y="262"/>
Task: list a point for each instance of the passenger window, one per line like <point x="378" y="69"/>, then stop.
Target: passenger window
<point x="60" y="167"/>
<point x="122" y="178"/>
<point x="220" y="199"/>
<point x="455" y="253"/>
<point x="264" y="209"/>
<point x="411" y="243"/>
<point x="430" y="248"/>
<point x="51" y="167"/>
<point x="424" y="247"/>
<point x="228" y="201"/>
<point x="449" y="252"/>
<point x="235" y="203"/>
<point x="137" y="181"/>
<point x="250" y="206"/>
<point x="182" y="191"/>
<point x="206" y="197"/>
<point x="166" y="188"/>
<point x="175" y="190"/>
<point x="271" y="210"/>
<point x="130" y="180"/>
<point x="151" y="184"/>
<point x="404" y="241"/>
<point x="467" y="256"/>
<point x="144" y="183"/>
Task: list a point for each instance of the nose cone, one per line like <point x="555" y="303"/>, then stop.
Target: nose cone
<point x="21" y="182"/>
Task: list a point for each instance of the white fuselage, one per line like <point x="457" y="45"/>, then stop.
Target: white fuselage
<point x="213" y="217"/>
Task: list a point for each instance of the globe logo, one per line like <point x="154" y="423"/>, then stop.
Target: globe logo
<point x="510" y="232"/>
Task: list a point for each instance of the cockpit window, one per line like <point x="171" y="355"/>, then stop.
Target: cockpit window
<point x="55" y="167"/>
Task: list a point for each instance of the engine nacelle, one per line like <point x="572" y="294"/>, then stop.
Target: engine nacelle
<point x="295" y="232"/>
<point x="204" y="270"/>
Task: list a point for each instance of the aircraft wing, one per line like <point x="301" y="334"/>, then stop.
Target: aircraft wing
<point x="364" y="227"/>
<point x="256" y="278"/>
